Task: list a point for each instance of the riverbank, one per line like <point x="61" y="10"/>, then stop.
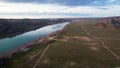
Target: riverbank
<point x="26" y="47"/>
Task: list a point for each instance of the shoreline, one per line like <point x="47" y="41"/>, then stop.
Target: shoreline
<point x="28" y="46"/>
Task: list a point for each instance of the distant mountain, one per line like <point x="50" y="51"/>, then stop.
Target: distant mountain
<point x="110" y="22"/>
<point x="12" y="27"/>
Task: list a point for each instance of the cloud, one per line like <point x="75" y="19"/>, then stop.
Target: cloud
<point x="33" y="10"/>
<point x="68" y="2"/>
<point x="113" y="2"/>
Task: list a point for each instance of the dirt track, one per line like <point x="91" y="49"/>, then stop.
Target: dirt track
<point x="102" y="42"/>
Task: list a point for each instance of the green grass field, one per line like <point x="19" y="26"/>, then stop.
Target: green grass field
<point x="74" y="48"/>
<point x="82" y="52"/>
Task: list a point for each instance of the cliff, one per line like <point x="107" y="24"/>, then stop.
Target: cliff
<point x="110" y="22"/>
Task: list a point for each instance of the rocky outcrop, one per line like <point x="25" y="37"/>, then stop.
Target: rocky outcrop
<point x="110" y="22"/>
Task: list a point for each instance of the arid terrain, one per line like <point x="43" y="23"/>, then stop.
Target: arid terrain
<point x="83" y="43"/>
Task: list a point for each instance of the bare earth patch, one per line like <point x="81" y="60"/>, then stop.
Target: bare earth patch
<point x="86" y="38"/>
<point x="94" y="48"/>
<point x="92" y="44"/>
<point x="72" y="63"/>
<point x="79" y="37"/>
<point x="46" y="61"/>
<point x="69" y="64"/>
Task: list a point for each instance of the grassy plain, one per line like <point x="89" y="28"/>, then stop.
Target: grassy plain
<point x="74" y="48"/>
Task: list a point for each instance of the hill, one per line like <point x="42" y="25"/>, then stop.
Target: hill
<point x="12" y="27"/>
<point x="110" y="22"/>
<point x="79" y="45"/>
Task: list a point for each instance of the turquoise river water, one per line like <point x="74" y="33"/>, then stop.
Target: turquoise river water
<point x="8" y="45"/>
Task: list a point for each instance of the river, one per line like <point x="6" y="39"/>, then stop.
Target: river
<point x="8" y="45"/>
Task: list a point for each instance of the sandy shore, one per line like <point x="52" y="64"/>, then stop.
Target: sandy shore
<point x="29" y="45"/>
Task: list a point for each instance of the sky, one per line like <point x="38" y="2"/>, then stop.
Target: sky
<point x="58" y="8"/>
